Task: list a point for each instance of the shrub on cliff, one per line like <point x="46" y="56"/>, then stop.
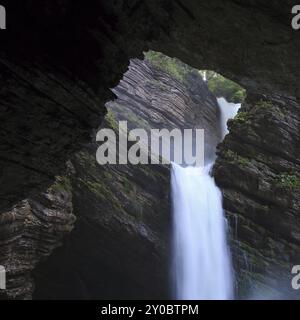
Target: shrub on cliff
<point x="222" y="87"/>
<point x="174" y="67"/>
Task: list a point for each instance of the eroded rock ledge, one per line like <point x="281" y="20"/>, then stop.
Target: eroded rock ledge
<point x="30" y="232"/>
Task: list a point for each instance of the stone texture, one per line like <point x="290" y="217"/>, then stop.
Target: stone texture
<point x="152" y="98"/>
<point x="30" y="232"/>
<point x="58" y="60"/>
<point x="258" y="169"/>
<point x="120" y="247"/>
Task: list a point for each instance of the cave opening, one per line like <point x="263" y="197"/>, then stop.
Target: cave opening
<point x="123" y="212"/>
<point x="155" y="92"/>
<point x="122" y="207"/>
<point x="182" y="76"/>
<point x="57" y="64"/>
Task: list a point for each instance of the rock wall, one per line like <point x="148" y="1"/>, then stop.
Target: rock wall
<point x="120" y="247"/>
<point x="30" y="232"/>
<point x="152" y="97"/>
<point x="258" y="169"/>
<point x="58" y="61"/>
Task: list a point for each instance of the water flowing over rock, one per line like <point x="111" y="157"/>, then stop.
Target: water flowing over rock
<point x="58" y="61"/>
<point x="120" y="247"/>
<point x="201" y="256"/>
<point x="227" y="111"/>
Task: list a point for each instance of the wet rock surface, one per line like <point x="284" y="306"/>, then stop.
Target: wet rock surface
<point x="258" y="169"/>
<point x="30" y="232"/>
<point x="58" y="61"/>
<point x="120" y="247"/>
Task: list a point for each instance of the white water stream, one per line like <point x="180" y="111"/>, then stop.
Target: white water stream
<point x="202" y="261"/>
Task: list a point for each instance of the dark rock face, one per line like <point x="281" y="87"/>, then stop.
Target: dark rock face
<point x="120" y="244"/>
<point x="152" y="98"/>
<point x="58" y="60"/>
<point x="258" y="169"/>
<point x="120" y="247"/>
<point x="30" y="232"/>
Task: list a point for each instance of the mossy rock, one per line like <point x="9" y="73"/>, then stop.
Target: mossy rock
<point x="287" y="181"/>
<point x="242" y="117"/>
<point x="62" y="184"/>
<point x="175" y="68"/>
<point x="234" y="158"/>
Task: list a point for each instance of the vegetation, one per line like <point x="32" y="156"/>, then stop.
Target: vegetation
<point x="269" y="106"/>
<point x="111" y="120"/>
<point x="126" y="185"/>
<point x="218" y="85"/>
<point x="262" y="104"/>
<point x="222" y="87"/>
<point x="242" y="116"/>
<point x="288" y="181"/>
<point x="62" y="184"/>
<point x="172" y="66"/>
<point x="233" y="157"/>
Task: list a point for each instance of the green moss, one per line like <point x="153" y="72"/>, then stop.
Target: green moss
<point x="288" y="181"/>
<point x="242" y="116"/>
<point x="102" y="191"/>
<point x="132" y="118"/>
<point x="126" y="185"/>
<point x="233" y="157"/>
<point x="111" y="120"/>
<point x="62" y="184"/>
<point x="129" y="187"/>
<point x="107" y="176"/>
<point x="223" y="87"/>
<point x="172" y="66"/>
<point x="262" y="104"/>
<point x="97" y="188"/>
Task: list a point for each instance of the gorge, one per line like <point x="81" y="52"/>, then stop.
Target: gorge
<point x="56" y="76"/>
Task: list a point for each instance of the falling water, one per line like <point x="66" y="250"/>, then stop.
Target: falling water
<point x="202" y="264"/>
<point x="228" y="111"/>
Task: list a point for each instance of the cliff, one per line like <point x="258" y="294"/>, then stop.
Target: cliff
<point x="58" y="61"/>
<point x="30" y="232"/>
<point x="120" y="247"/>
<point x="258" y="170"/>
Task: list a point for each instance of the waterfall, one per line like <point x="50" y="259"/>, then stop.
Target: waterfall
<point x="228" y="111"/>
<point x="201" y="256"/>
